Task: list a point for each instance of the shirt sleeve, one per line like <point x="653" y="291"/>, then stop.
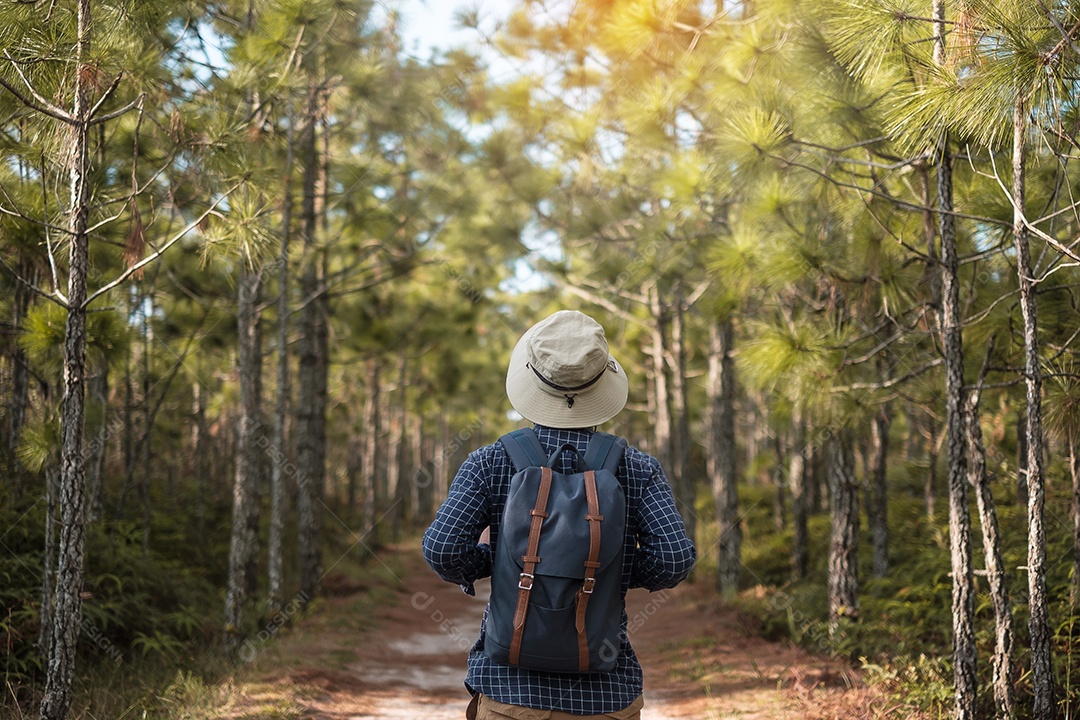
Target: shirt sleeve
<point x="665" y="554"/>
<point x="450" y="544"/>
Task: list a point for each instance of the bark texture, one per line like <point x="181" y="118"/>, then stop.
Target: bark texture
<point x="844" y="536"/>
<point x="312" y="364"/>
<point x="1039" y="630"/>
<point x="963" y="589"/>
<point x="879" y="498"/>
<point x="279" y="452"/>
<point x="1074" y="474"/>
<point x="243" y="541"/>
<point x="680" y="445"/>
<point x="800" y="510"/>
<point x="95" y="453"/>
<point x="67" y="599"/>
<point x="662" y="412"/>
<point x="722" y="465"/>
<point x="1004" y="696"/>
<point x="369" y="467"/>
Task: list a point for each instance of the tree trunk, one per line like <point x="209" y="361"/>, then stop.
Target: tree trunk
<point x="48" y="574"/>
<point x="879" y="513"/>
<point x="1021" y="458"/>
<point x="417" y="488"/>
<point x="722" y="465"/>
<point x="354" y="467"/>
<point x="260" y="467"/>
<point x="312" y="367"/>
<point x="662" y="414"/>
<point x="99" y="386"/>
<point x="963" y="595"/>
<point x="243" y="544"/>
<point x="1074" y="474"/>
<point x="395" y="452"/>
<point x="931" y="482"/>
<point x="911" y="440"/>
<point x="425" y="479"/>
<point x="67" y="606"/>
<point x="129" y="443"/>
<point x="844" y="535"/>
<point x="441" y="468"/>
<point x="1004" y="699"/>
<point x="779" y="500"/>
<point x="932" y="279"/>
<point x="816" y="492"/>
<point x="143" y="448"/>
<point x="797" y="469"/>
<point x="370" y="466"/>
<point x="651" y="410"/>
<point x="680" y="445"/>
<point x="279" y="451"/>
<point x="200" y="462"/>
<point x="1042" y="674"/>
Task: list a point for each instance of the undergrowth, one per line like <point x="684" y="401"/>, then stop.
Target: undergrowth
<point x="151" y="641"/>
<point x="903" y="636"/>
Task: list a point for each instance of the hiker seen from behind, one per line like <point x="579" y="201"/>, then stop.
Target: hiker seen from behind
<point x="565" y="520"/>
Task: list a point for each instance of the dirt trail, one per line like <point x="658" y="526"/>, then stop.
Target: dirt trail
<point x="700" y="661"/>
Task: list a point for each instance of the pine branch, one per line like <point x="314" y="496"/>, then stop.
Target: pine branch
<point x="1067" y="37"/>
<point x="42" y="105"/>
<point x="16" y="213"/>
<point x="159" y="252"/>
<point x="58" y="298"/>
<point x="54" y="113"/>
<point x="882" y="194"/>
<point x="136" y="103"/>
<point x="1048" y="239"/>
<point x="639" y="298"/>
<point x="48" y="235"/>
<point x="105" y="96"/>
<point x="597" y="300"/>
<point x="696" y="294"/>
<point x="891" y="381"/>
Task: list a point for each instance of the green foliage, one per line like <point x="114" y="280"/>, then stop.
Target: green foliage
<point x="796" y="361"/>
<point x="756" y="137"/>
<point x="42" y="337"/>
<point x="38" y="444"/>
<point x="1062" y="403"/>
<point x="905" y="626"/>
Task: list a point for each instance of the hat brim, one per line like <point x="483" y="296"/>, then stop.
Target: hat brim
<point x="533" y="401"/>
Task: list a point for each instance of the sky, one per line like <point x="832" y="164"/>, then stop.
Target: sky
<point x="429" y="24"/>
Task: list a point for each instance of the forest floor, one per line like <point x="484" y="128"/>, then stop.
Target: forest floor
<point x="395" y="647"/>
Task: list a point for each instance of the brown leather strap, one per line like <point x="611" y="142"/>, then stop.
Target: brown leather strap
<point x="591" y="566"/>
<point x="530" y="560"/>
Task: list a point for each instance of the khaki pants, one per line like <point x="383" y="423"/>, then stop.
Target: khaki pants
<point x="484" y="708"/>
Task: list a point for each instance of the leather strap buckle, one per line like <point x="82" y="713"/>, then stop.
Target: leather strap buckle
<point x="588" y="585"/>
<point x="525" y="581"/>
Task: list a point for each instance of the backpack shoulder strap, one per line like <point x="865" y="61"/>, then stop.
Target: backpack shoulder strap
<point x="524" y="449"/>
<point x="605" y="452"/>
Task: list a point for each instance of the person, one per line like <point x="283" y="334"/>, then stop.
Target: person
<point x="562" y="378"/>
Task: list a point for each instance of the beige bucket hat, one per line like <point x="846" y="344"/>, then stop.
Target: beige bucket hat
<point x="562" y="376"/>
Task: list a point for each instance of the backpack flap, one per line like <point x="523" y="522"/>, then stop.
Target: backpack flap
<point x="564" y="538"/>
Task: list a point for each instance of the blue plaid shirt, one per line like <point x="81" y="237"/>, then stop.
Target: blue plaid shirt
<point x="658" y="555"/>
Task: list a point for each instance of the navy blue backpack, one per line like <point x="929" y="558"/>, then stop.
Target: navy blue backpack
<point x="556" y="582"/>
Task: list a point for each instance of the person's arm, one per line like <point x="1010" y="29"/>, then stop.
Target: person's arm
<point x="665" y="554"/>
<point x="451" y="544"/>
